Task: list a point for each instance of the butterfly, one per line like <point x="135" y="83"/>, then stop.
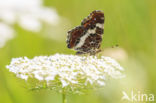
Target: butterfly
<point x="87" y="37"/>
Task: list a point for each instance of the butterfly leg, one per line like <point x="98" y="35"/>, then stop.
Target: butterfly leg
<point x="79" y="53"/>
<point x="95" y="52"/>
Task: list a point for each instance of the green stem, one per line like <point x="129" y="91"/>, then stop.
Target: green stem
<point x="64" y="99"/>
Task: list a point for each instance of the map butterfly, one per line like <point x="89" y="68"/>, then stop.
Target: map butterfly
<point x="87" y="37"/>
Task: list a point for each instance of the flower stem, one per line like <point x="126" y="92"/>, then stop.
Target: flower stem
<point x="64" y="100"/>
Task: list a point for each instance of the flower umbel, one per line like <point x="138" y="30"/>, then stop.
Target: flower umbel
<point x="29" y="14"/>
<point x="67" y="71"/>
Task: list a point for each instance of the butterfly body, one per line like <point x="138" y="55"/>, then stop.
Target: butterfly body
<point x="87" y="37"/>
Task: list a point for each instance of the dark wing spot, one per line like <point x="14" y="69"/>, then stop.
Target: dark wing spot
<point x="92" y="35"/>
<point x="99" y="30"/>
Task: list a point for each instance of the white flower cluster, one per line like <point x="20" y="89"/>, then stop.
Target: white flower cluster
<point x="6" y="33"/>
<point x="69" y="70"/>
<point x="27" y="13"/>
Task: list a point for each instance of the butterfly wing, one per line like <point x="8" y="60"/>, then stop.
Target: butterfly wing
<point x="87" y="37"/>
<point x="74" y="35"/>
<point x="95" y="19"/>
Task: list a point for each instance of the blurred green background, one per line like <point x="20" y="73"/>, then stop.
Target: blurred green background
<point x="129" y="23"/>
